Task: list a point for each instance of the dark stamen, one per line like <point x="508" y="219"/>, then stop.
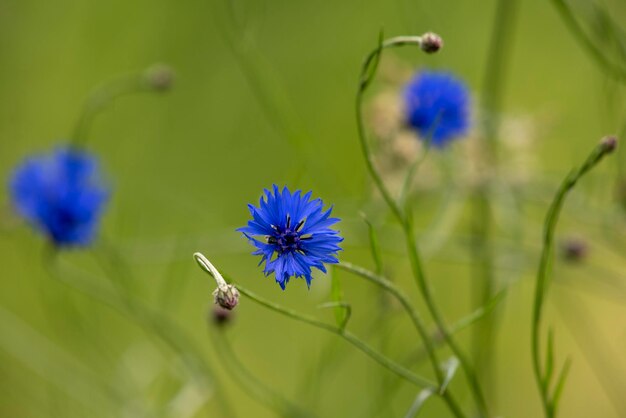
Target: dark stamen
<point x="299" y="225"/>
<point x="271" y="240"/>
<point x="288" y="221"/>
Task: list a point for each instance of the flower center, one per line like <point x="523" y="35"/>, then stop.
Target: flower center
<point x="287" y="240"/>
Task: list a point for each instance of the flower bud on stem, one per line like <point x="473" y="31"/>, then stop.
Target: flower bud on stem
<point x="226" y="295"/>
<point x="542" y="367"/>
<point x="158" y="77"/>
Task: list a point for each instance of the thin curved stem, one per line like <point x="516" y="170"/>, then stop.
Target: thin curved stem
<point x="609" y="67"/>
<point x="408" y="179"/>
<point x="424" y="287"/>
<point x="406" y="304"/>
<point x="386" y="362"/>
<point x="368" y="72"/>
<point x="543" y="274"/>
<point x="103" y="96"/>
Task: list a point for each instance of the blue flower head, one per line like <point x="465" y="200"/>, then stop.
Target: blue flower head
<point x="437" y="106"/>
<point x="61" y="195"/>
<point x="293" y="234"/>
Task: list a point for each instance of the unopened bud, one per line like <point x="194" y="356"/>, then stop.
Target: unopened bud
<point x="226" y="296"/>
<point x="220" y="316"/>
<point x="159" y="77"/>
<point x="574" y="249"/>
<point x="609" y="143"/>
<point x="431" y="42"/>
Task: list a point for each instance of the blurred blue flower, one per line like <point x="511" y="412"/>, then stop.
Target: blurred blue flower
<point x="437" y="106"/>
<point x="296" y="234"/>
<point x="61" y="195"/>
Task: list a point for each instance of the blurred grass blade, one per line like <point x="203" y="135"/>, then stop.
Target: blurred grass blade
<point x="450" y="367"/>
<point x="549" y="359"/>
<point x="560" y="384"/>
<point x="419" y="402"/>
<point x="270" y="91"/>
<point x="59" y="367"/>
<point x="336" y="296"/>
<point x="174" y="280"/>
<point x="591" y="46"/>
<point x="478" y="314"/>
<point x="188" y="402"/>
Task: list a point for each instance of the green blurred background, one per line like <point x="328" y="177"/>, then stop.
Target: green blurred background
<point x="264" y="94"/>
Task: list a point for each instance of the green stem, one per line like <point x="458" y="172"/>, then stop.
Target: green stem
<point x="591" y="47"/>
<point x="424" y="287"/>
<point x="390" y="287"/>
<point x="484" y="280"/>
<point x="384" y="361"/>
<point x="543" y="273"/>
<point x="408" y="179"/>
<point x="421" y="355"/>
<point x="406" y="304"/>
<point x="368" y="71"/>
<point x="103" y="96"/>
<point x="346" y="335"/>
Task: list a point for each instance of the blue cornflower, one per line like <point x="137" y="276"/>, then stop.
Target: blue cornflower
<point x="61" y="195"/>
<point x="437" y="106"/>
<point x="296" y="234"/>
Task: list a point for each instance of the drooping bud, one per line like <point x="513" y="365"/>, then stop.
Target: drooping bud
<point x="159" y="77"/>
<point x="226" y="296"/>
<point x="431" y="42"/>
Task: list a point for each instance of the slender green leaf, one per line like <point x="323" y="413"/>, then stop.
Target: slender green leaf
<point x="606" y="146"/>
<point x="374" y="245"/>
<point x="336" y="296"/>
<point x="549" y="359"/>
<point x="560" y="384"/>
<point x="478" y="314"/>
<point x="418" y="403"/>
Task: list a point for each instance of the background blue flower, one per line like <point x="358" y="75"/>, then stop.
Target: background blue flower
<point x="61" y="195"/>
<point x="296" y="234"/>
<point x="437" y="106"/>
